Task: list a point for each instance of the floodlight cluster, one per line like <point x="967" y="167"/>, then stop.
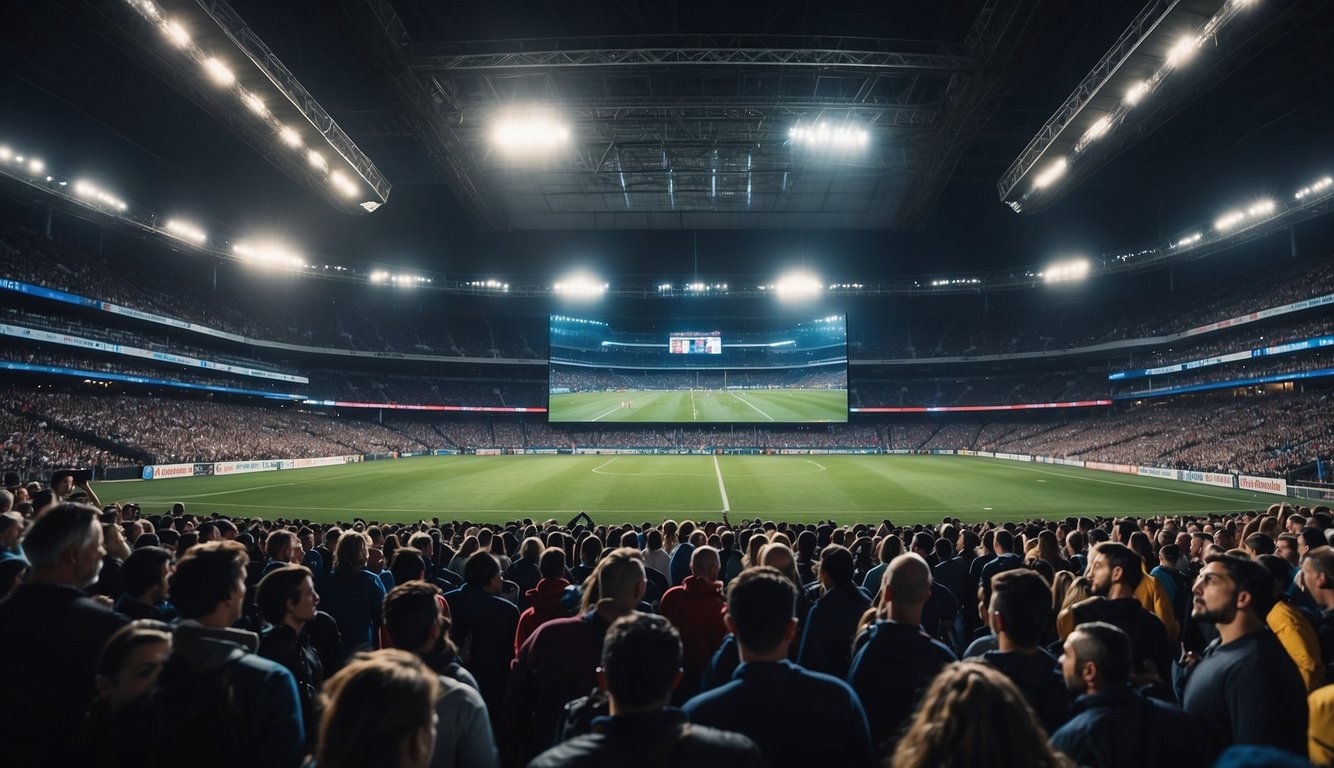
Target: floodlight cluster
<point x="846" y="286"/>
<point x="576" y="320"/>
<point x="1066" y="271"/>
<point x="223" y="76"/>
<point x="99" y="197"/>
<point x="272" y="255"/>
<point x="1318" y="188"/>
<point x="580" y="286"/>
<point x="186" y="231"/>
<point x="823" y="136"/>
<point x="492" y="285"/>
<point x="1187" y="240"/>
<point x="529" y="133"/>
<point x="798" y="285"/>
<point x="955" y="281"/>
<point x="1232" y="219"/>
<point x="403" y="281"/>
<point x="33" y="166"/>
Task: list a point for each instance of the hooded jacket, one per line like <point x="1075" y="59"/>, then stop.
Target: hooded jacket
<point x="544" y="604"/>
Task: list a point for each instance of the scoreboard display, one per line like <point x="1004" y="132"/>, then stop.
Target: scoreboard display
<point x="695" y="343"/>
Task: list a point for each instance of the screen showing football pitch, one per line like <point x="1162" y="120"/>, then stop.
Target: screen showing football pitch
<point x="679" y="368"/>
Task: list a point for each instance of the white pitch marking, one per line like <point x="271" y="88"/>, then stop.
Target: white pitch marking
<point x="727" y="506"/>
<point x="752" y="405"/>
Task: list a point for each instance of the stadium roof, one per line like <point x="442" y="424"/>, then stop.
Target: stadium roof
<point x="680" y="117"/>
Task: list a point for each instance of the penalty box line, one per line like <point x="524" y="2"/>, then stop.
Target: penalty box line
<point x="722" y="489"/>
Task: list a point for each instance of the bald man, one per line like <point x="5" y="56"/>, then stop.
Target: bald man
<point x="897" y="659"/>
<point x="696" y="610"/>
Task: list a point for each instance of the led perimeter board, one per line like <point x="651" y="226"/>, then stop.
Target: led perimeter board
<point x="676" y="367"/>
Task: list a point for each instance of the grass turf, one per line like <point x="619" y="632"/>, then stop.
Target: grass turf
<point x="702" y="405"/>
<point x="905" y="489"/>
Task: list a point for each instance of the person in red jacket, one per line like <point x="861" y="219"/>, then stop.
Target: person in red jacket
<point x="544" y="599"/>
<point x="696" y="610"/>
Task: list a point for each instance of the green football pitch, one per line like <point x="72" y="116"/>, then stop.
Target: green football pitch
<point x="702" y="405"/>
<point x="905" y="489"/>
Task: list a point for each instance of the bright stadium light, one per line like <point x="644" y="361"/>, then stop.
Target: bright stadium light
<point x="176" y="34"/>
<point x="522" y="133"/>
<point x="1315" y="189"/>
<point x="1136" y="93"/>
<point x="6" y="154"/>
<point x="186" y="231"/>
<point x="1183" y="51"/>
<point x="345" y="186"/>
<point x="316" y="160"/>
<point x="98" y="197"/>
<point x="1053" y="172"/>
<point x="269" y="255"/>
<point x="1261" y="208"/>
<point x="823" y="136"/>
<point x="798" y="285"/>
<point x="255" y="103"/>
<point x="36" y="166"/>
<point x="289" y="136"/>
<point x="1095" y="132"/>
<point x="379" y="276"/>
<point x="1066" y="271"/>
<point x="219" y="72"/>
<point x="580" y="286"/>
<point x="1229" y="220"/>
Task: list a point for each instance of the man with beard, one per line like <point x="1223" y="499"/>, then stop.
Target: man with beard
<point x="1245" y="689"/>
<point x="1114" y="573"/>
<point x="51" y="634"/>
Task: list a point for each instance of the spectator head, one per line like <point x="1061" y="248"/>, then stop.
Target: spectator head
<point x="286" y="595"/>
<point x="413" y="618"/>
<point x="1307" y="540"/>
<point x="944" y="549"/>
<point x="761" y="611"/>
<point x="1020" y="607"/>
<point x="836" y="567"/>
<point x="62" y="482"/>
<point x="6" y="501"/>
<point x="11" y="528"/>
<point x="483" y="570"/>
<point x="970" y="712"/>
<point x="279" y="546"/>
<point x="1114" y="565"/>
<point x="641" y="663"/>
<point x="379" y="710"/>
<point x="619" y="581"/>
<point x="209" y="583"/>
<point x="1169" y="555"/>
<point x="1096" y="656"/>
<point x="907" y="581"/>
<point x="351" y="552"/>
<point x="408" y="565"/>
<point x="64" y="545"/>
<point x="130" y="663"/>
<point x="146" y="574"/>
<point x="208" y="532"/>
<point x="1286" y="547"/>
<point x="780" y="556"/>
<point x="1229" y="587"/>
<point x="705" y="564"/>
<point x="922" y="544"/>
<point x="226" y="529"/>
<point x="654" y="541"/>
<point x="551" y="565"/>
<point x="43" y="500"/>
<point x="531" y="549"/>
<point x="1318" y="575"/>
<point x="1260" y="544"/>
<point x="1003" y="541"/>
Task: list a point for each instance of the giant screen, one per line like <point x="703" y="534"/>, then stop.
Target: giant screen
<point x="671" y="367"/>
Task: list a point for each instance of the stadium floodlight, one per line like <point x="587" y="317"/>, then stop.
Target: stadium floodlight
<point x="580" y="286"/>
<point x="269" y="255"/>
<point x="343" y="184"/>
<point x="1183" y="51"/>
<point x="1315" y="189"/>
<point x="36" y="166"/>
<point x="176" y="34"/>
<point x="1229" y="220"/>
<point x="6" y="154"/>
<point x="528" y="132"/>
<point x="798" y="285"/>
<point x="289" y="136"/>
<point x="1066" y="271"/>
<point x="1095" y="132"/>
<point x="379" y="276"/>
<point x="1136" y="92"/>
<point x="186" y="231"/>
<point x="316" y="160"/>
<point x="98" y="197"/>
<point x="1053" y="172"/>
<point x="219" y="72"/>
<point x="1187" y="240"/>
<point x="1260" y="209"/>
<point x="822" y="136"/>
<point x="255" y="103"/>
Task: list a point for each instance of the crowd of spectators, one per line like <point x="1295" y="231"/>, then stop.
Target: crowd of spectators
<point x="1271" y="434"/>
<point x="1163" y="640"/>
<point x="131" y="366"/>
